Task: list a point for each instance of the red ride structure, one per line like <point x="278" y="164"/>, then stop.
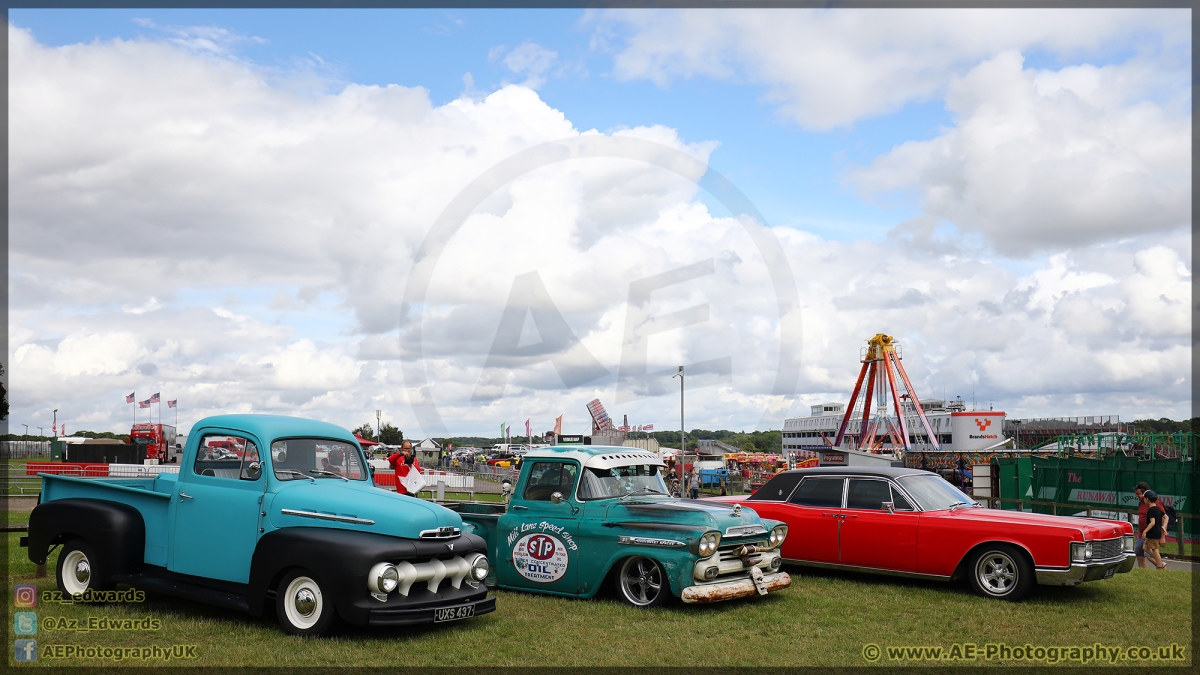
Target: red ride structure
<point x="884" y="374"/>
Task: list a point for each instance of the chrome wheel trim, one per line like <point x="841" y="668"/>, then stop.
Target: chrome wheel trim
<point x="641" y="581"/>
<point x="76" y="573"/>
<point x="303" y="603"/>
<point x="997" y="573"/>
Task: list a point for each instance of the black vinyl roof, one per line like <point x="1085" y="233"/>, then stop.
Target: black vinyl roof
<point x="889" y="471"/>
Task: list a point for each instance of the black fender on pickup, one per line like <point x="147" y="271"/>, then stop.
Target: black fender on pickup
<point x="341" y="559"/>
<point x="115" y="531"/>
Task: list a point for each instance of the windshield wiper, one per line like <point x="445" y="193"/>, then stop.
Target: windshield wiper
<point x="955" y="505"/>
<point x="642" y="489"/>
<point x="329" y="473"/>
<point x="297" y="473"/>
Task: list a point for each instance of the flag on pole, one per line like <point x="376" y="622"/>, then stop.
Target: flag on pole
<point x="129" y="398"/>
<point x="54" y="429"/>
<point x="144" y="404"/>
<point x="172" y="404"/>
<point x="558" y="425"/>
<point x="648" y="427"/>
<point x="155" y="399"/>
<point x="528" y="430"/>
<point x="507" y="430"/>
<point x="502" y="430"/>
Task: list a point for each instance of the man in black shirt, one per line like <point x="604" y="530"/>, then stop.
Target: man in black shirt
<point x="1152" y="530"/>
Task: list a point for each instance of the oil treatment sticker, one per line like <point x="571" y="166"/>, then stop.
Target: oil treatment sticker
<point x="540" y="557"/>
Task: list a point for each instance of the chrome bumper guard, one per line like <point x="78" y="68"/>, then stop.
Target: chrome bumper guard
<point x="1079" y="573"/>
<point x="730" y="590"/>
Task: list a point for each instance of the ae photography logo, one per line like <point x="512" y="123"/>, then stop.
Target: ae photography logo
<point x="530" y="299"/>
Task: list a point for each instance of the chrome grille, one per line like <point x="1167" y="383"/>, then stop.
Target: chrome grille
<point x="1107" y="548"/>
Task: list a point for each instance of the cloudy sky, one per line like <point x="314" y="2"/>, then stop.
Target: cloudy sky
<point x="466" y="218"/>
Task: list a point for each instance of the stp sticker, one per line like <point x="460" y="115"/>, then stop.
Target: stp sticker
<point x="540" y="557"/>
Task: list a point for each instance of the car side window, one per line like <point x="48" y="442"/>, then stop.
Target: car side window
<point x="778" y="488"/>
<point x="899" y="502"/>
<point x="224" y="456"/>
<point x="826" y="492"/>
<point x="546" y="478"/>
<point x="867" y="493"/>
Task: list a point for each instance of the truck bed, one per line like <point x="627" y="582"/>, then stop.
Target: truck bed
<point x="150" y="496"/>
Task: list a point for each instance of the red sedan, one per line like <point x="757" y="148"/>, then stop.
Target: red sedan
<point x="913" y="523"/>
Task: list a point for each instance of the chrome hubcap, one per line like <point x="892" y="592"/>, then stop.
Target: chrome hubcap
<point x="83" y="572"/>
<point x="997" y="573"/>
<point x="305" y="602"/>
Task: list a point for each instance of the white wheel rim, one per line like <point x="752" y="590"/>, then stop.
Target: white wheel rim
<point x="302" y="602"/>
<point x="76" y="573"/>
<point x="641" y="581"/>
<point x="997" y="573"/>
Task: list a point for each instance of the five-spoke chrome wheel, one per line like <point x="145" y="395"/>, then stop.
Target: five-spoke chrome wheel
<point x="642" y="582"/>
<point x="1000" y="571"/>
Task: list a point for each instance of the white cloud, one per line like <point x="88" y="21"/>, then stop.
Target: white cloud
<point x="529" y="59"/>
<point x="829" y="68"/>
<point x="151" y="187"/>
<point x="1049" y="159"/>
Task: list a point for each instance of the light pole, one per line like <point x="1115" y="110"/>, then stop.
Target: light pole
<point x="378" y="427"/>
<point x="26" y="429"/>
<point x="682" y="437"/>
<point x="54" y="429"/>
<point x="41" y="432"/>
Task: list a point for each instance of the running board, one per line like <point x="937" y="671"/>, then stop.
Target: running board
<point x="182" y="589"/>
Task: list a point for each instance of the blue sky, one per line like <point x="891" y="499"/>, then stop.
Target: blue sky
<point x="1006" y="191"/>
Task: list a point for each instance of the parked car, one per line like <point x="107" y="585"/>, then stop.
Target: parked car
<point x="294" y="522"/>
<point x="583" y="515"/>
<point x="913" y="523"/>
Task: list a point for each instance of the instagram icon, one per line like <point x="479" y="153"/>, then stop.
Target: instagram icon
<point x="25" y="596"/>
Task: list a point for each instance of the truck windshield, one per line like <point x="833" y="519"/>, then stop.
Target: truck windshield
<point x="298" y="458"/>
<point x="621" y="480"/>
<point x="933" y="493"/>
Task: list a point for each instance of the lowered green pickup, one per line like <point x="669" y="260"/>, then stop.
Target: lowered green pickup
<point x="583" y="516"/>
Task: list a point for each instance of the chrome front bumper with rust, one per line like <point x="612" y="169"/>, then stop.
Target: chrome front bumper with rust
<point x="730" y="590"/>
<point x="1079" y="573"/>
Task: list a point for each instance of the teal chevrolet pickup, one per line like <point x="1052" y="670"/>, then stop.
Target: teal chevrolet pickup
<point x="266" y="510"/>
<point x="582" y="517"/>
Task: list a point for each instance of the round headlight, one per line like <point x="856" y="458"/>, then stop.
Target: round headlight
<point x="778" y="534"/>
<point x="389" y="579"/>
<point x="709" y="543"/>
<point x="383" y="578"/>
<point x="480" y="567"/>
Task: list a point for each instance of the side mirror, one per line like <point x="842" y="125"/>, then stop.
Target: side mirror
<point x="557" y="498"/>
<point x="891" y="508"/>
<point x="252" y="470"/>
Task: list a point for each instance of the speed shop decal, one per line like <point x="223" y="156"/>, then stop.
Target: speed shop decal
<point x="540" y="557"/>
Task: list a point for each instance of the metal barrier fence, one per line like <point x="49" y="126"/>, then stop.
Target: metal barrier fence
<point x="1090" y="512"/>
<point x="24" y="449"/>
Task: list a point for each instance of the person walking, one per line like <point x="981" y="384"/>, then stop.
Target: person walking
<point x="1139" y="549"/>
<point x="694" y="483"/>
<point x="1152" y="531"/>
<point x="403" y="462"/>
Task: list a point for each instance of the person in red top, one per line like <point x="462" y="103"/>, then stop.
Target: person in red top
<point x="403" y="462"/>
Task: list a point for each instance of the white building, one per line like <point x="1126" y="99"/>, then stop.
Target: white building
<point x="956" y="428"/>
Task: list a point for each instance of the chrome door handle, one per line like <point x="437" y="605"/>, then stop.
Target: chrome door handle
<point x="523" y="508"/>
<point x="183" y="496"/>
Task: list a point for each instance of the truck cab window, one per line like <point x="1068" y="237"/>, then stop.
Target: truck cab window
<point x="299" y="458"/>
<point x="222" y="456"/>
<point x="546" y="478"/>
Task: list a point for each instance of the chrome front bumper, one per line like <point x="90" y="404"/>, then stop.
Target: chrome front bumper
<point x="738" y="588"/>
<point x="1079" y="573"/>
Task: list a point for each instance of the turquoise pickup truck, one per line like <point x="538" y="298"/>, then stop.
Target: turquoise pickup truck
<point x="581" y="517"/>
<point x="266" y="510"/>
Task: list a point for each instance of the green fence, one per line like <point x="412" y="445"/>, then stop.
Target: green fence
<point x="1064" y="483"/>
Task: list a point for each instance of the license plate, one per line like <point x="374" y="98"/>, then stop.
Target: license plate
<point x="756" y="576"/>
<point x="1109" y="573"/>
<point x="453" y="613"/>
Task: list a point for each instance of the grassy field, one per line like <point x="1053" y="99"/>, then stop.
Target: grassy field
<point x="824" y="619"/>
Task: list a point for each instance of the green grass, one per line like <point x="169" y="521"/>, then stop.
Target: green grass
<point x="824" y="619"/>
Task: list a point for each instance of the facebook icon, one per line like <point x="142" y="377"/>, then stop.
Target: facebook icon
<point x="25" y="650"/>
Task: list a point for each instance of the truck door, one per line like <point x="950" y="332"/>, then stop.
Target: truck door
<point x="536" y="539"/>
<point x="217" y="507"/>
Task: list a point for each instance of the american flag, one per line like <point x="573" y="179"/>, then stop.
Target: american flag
<point x="648" y="427"/>
<point x="129" y="398"/>
<point x="155" y="399"/>
<point x="172" y="404"/>
<point x="144" y="404"/>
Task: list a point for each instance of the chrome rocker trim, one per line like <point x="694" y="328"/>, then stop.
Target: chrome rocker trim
<point x="871" y="570"/>
<point x="1079" y="573"/>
